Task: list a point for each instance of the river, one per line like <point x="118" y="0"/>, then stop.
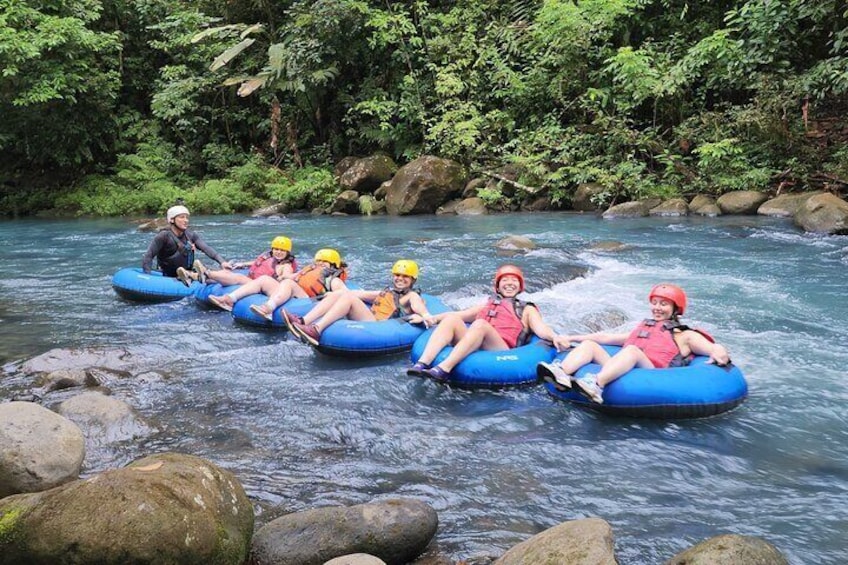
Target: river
<point x="301" y="431"/>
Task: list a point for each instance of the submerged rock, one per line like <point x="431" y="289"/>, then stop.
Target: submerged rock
<point x="166" y="508"/>
<point x="66" y="359"/>
<point x="103" y="419"/>
<point x="395" y="530"/>
<point x="516" y="243"/>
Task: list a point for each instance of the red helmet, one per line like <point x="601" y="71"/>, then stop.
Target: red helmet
<point x="509" y="270"/>
<point x="670" y="292"/>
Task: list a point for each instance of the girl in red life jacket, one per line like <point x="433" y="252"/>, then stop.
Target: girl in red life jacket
<point x="499" y="323"/>
<point x="278" y="263"/>
<point x="327" y="273"/>
<point x="656" y="343"/>
<point x="396" y="301"/>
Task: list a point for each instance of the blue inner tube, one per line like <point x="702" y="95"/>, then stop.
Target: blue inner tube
<point x="244" y="315"/>
<point x="349" y="338"/>
<point x="215" y="289"/>
<point x="131" y="283"/>
<point x="493" y="369"/>
<point x="300" y="306"/>
<point x="694" y="391"/>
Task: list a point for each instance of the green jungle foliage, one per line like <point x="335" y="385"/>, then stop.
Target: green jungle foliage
<point x="122" y="106"/>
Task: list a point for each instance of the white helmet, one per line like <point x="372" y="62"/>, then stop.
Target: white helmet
<point x="175" y="211"/>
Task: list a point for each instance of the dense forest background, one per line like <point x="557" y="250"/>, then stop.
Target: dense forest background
<point x="121" y="106"/>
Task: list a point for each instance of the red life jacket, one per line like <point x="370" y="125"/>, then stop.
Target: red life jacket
<point x="316" y="280"/>
<point x="265" y="264"/>
<point x="656" y="340"/>
<point x="504" y="314"/>
<point x="387" y="304"/>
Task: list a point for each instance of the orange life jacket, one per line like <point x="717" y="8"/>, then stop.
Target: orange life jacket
<point x="656" y="340"/>
<point x="317" y="280"/>
<point x="266" y="264"/>
<point x="505" y="315"/>
<point x="387" y="304"/>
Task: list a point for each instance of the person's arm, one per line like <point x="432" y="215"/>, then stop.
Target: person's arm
<point x="284" y="271"/>
<point x="534" y="322"/>
<point x="418" y="307"/>
<point x="700" y="345"/>
<point x="214" y="255"/>
<point x="152" y="251"/>
<point x="337" y="284"/>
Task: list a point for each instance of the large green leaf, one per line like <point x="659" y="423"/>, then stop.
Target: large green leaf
<point x="230" y="54"/>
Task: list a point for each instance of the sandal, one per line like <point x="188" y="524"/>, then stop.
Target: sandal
<point x="554" y="375"/>
<point x="224" y="302"/>
<point x="262" y="311"/>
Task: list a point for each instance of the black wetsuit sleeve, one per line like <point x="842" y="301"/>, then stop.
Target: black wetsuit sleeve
<point x="203" y="246"/>
<point x="156" y="245"/>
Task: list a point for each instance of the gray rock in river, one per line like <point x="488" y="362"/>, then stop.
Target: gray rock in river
<point x="39" y="449"/>
<point x="730" y="549"/>
<point x="395" y="530"/>
<point x="578" y="542"/>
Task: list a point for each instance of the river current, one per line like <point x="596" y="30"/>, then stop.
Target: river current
<point x="301" y="430"/>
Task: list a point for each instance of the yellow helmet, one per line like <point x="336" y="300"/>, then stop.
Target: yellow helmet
<point x="282" y="242"/>
<point x="406" y="267"/>
<point x="331" y="256"/>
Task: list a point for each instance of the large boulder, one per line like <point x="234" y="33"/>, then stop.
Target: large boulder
<point x="741" y="202"/>
<point x="166" y="508"/>
<point x="673" y="207"/>
<point x="347" y="202"/>
<point x="153" y="225"/>
<point x="730" y="549"/>
<point x="38" y="449"/>
<point x="703" y="205"/>
<point x="103" y="419"/>
<point x="471" y="207"/>
<point x="785" y="205"/>
<point x="395" y="530"/>
<point x="367" y="174"/>
<point x="635" y="209"/>
<point x="579" y="542"/>
<point x="423" y="185"/>
<point x="270" y="211"/>
<point x="585" y="197"/>
<point x="823" y="213"/>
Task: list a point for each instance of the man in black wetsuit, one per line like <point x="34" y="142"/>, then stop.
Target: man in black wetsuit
<point x="174" y="246"/>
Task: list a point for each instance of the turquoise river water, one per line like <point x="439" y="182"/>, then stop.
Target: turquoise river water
<point x="301" y="430"/>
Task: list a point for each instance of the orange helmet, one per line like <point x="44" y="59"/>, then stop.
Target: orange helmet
<point x="670" y="292"/>
<point x="505" y="270"/>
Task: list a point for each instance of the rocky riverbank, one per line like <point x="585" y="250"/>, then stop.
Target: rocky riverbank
<point x="432" y="185"/>
<point x="179" y="508"/>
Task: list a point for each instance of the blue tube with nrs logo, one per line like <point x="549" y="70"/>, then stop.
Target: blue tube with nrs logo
<point x="493" y="369"/>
